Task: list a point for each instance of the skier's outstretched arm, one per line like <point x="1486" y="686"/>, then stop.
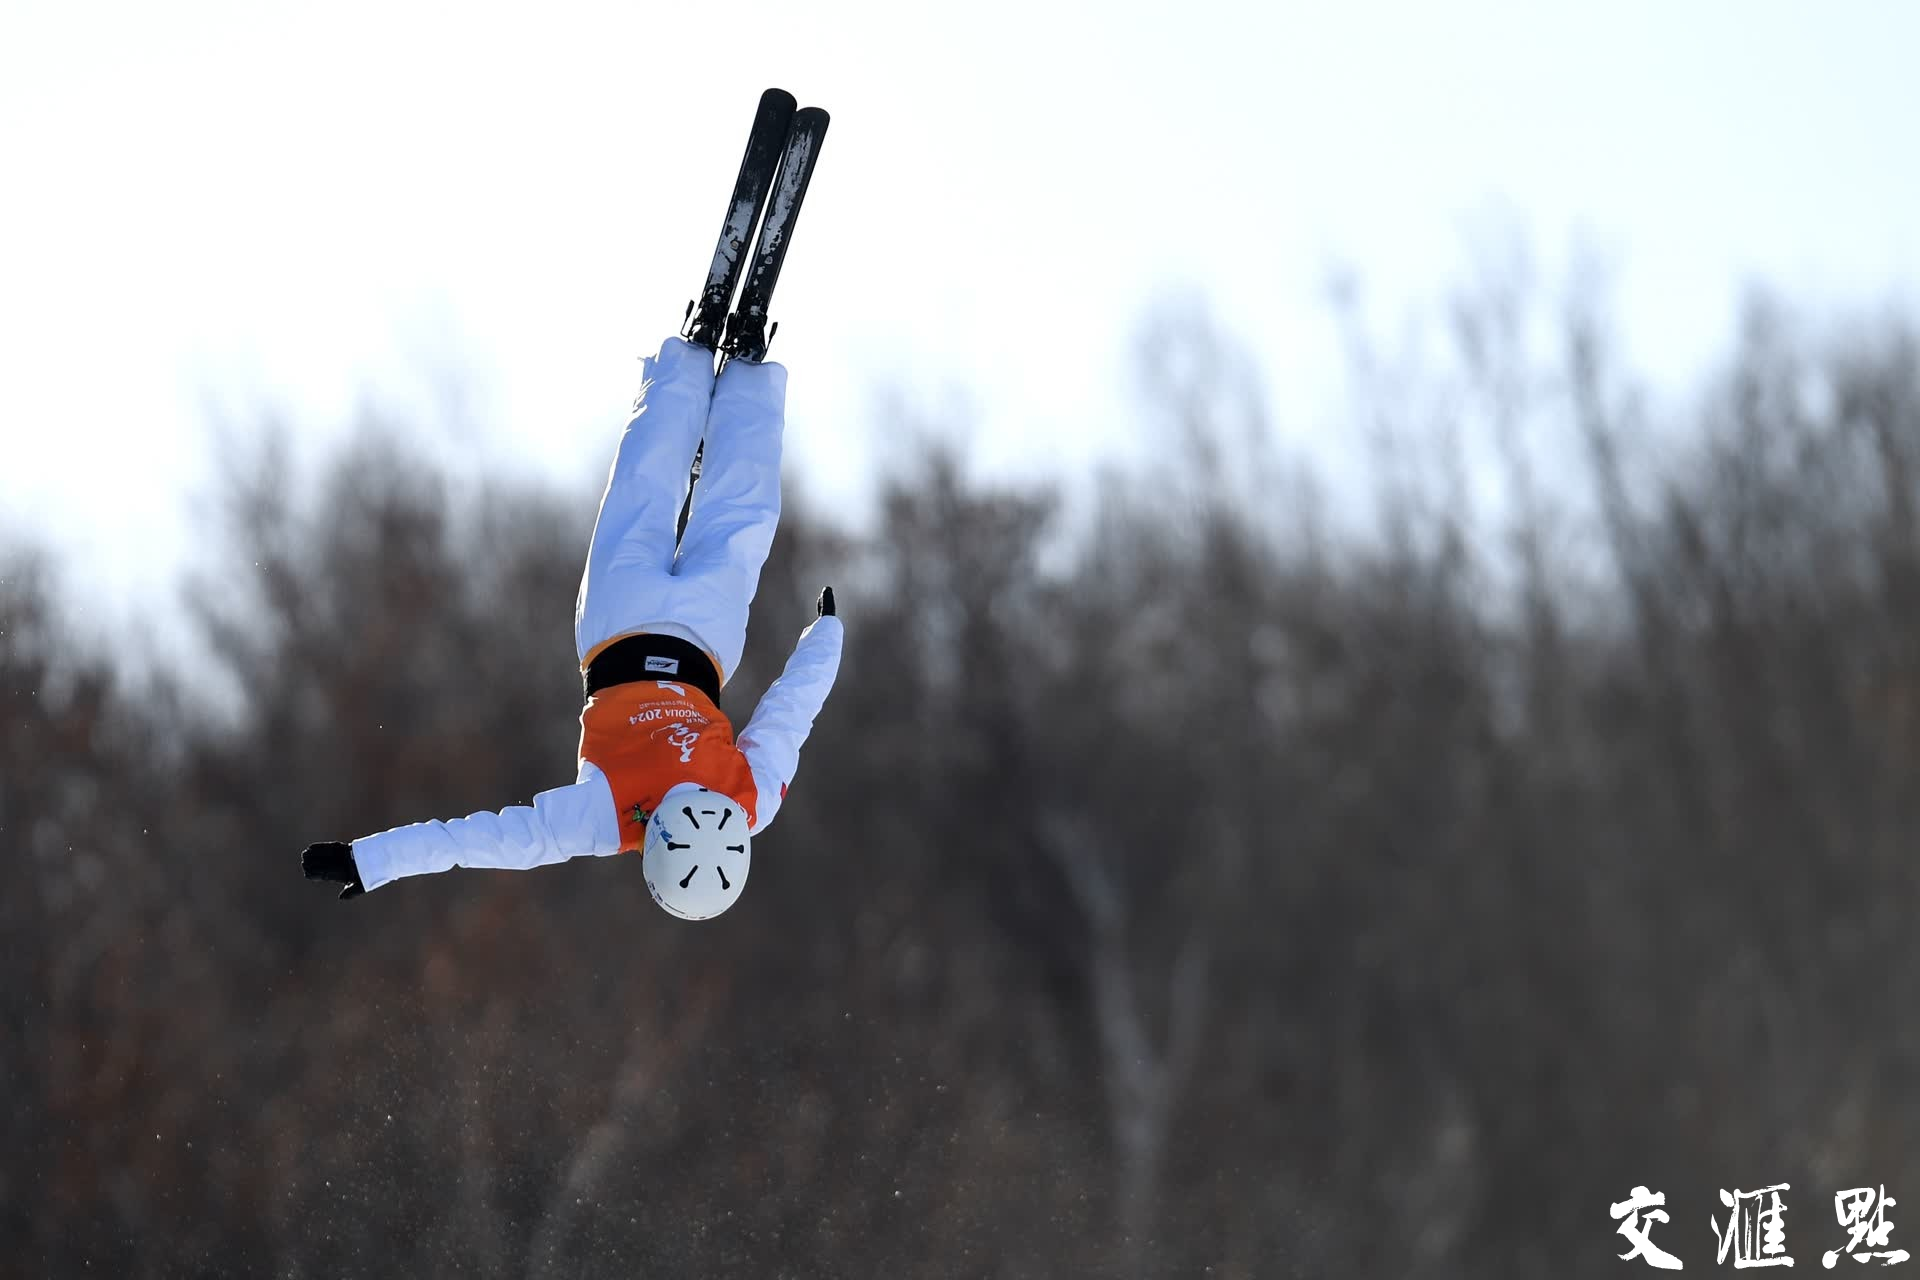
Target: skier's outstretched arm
<point x="567" y="822"/>
<point x="780" y="724"/>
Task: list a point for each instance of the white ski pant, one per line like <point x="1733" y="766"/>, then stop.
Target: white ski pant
<point x="634" y="581"/>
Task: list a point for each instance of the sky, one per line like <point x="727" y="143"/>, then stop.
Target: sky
<point x="472" y="219"/>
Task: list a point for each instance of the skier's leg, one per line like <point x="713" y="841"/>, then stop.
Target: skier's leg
<point x="627" y="585"/>
<point x="736" y="508"/>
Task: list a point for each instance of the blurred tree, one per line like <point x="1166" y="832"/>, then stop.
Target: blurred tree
<point x="1174" y="882"/>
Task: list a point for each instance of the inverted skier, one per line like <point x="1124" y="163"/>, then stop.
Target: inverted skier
<point x="659" y="630"/>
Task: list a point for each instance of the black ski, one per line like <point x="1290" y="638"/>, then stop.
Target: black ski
<point x="781" y="151"/>
<point x="747" y="334"/>
<point x="707" y="315"/>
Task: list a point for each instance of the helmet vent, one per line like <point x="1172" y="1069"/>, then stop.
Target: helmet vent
<point x="736" y="848"/>
<point x="688" y="810"/>
<point x="724" y="882"/>
<point x="689" y="879"/>
<point x="724" y="815"/>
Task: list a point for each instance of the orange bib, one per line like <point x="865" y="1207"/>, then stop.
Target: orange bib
<point x="652" y="735"/>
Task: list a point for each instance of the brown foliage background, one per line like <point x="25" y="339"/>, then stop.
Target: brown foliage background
<point x="1196" y="882"/>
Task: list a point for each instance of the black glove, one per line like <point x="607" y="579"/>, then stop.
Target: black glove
<point x="333" y="861"/>
<point x="825" y="605"/>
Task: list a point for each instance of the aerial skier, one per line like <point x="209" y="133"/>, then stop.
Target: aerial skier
<point x="661" y="618"/>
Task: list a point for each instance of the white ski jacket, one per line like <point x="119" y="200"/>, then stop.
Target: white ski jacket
<point x="587" y="819"/>
<point x="642" y="736"/>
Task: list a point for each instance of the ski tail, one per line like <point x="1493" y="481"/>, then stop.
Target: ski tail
<point x="747" y="335"/>
<point x="766" y="143"/>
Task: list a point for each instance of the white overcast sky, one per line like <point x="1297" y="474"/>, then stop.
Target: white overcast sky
<point x="479" y="215"/>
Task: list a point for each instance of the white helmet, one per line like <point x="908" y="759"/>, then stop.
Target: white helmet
<point x="695" y="854"/>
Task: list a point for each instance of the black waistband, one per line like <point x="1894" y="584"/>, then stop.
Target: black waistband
<point x="653" y="657"/>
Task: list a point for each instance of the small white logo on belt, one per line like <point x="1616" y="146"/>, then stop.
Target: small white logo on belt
<point x="669" y="665"/>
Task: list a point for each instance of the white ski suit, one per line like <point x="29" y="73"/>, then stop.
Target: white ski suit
<point x="640" y="738"/>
